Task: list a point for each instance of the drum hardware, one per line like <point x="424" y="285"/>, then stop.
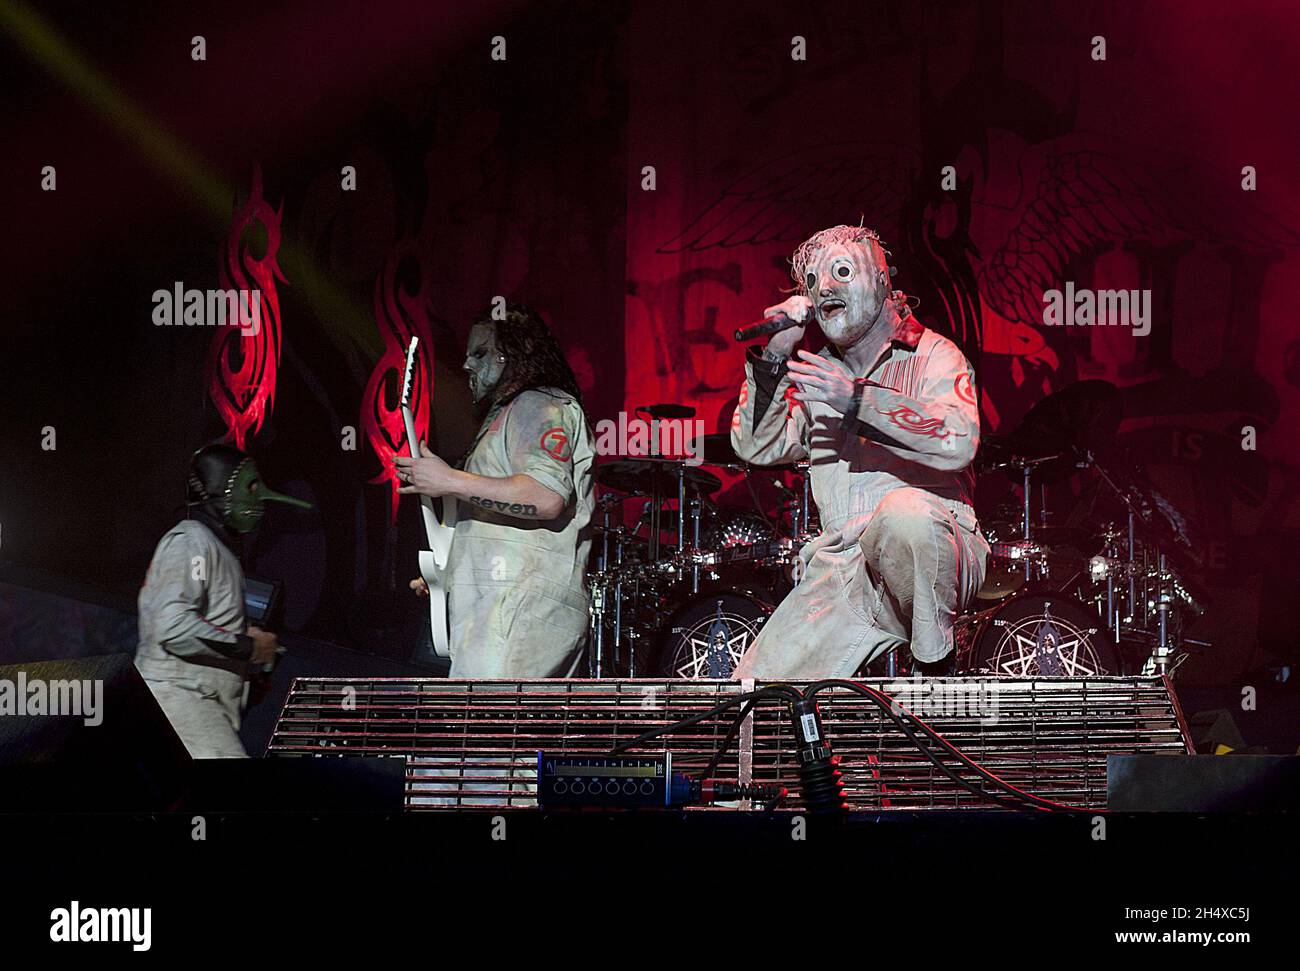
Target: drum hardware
<point x="616" y="594"/>
<point x="673" y="605"/>
<point x="658" y="478"/>
<point x="596" y="656"/>
<point x="1136" y="558"/>
<point x="1127" y="571"/>
<point x="695" y="542"/>
<point x="700" y="602"/>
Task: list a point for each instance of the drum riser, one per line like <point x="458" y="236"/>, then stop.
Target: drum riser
<point x="474" y="744"/>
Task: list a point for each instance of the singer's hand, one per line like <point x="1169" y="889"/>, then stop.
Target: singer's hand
<point x="798" y="309"/>
<point x="822" y="379"/>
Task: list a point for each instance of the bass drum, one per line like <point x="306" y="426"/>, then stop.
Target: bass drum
<point x="1035" y="635"/>
<point x="709" y="632"/>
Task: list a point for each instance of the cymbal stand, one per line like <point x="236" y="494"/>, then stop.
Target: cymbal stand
<point x="695" y="542"/>
<point x="680" y="472"/>
<point x="595" y="657"/>
<point x="656" y="501"/>
<point x="618" y="601"/>
<point x="1129" y="565"/>
<point x="1027" y="467"/>
<point x="1132" y="572"/>
<point x="1164" y="603"/>
<point x="1025" y="518"/>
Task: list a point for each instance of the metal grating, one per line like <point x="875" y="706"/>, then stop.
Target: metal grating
<point x="473" y="744"/>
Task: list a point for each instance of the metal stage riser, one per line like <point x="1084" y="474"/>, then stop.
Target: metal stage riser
<point x="474" y="744"/>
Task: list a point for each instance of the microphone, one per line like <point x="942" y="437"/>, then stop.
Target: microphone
<point x="768" y="325"/>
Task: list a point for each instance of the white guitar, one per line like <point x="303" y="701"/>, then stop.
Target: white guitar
<point x="433" y="561"/>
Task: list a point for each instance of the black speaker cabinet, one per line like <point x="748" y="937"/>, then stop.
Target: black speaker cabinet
<point x="85" y="734"/>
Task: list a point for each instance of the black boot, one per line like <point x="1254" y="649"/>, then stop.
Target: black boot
<point x="943" y="668"/>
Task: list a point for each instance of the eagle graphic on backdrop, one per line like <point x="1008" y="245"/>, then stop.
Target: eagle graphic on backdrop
<point x="980" y="258"/>
<point x="1034" y="202"/>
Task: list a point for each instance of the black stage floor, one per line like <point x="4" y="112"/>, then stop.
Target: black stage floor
<point x="398" y="881"/>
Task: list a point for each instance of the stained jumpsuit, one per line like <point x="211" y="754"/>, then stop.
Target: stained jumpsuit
<point x="900" y="553"/>
<point x="517" y="597"/>
<point x="193" y="650"/>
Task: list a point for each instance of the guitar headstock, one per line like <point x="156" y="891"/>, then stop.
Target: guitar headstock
<point x="408" y="379"/>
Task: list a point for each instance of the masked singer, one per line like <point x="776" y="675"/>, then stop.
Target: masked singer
<point x="886" y="416"/>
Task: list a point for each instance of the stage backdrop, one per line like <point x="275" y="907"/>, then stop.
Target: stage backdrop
<point x="1125" y="172"/>
<point x="640" y="173"/>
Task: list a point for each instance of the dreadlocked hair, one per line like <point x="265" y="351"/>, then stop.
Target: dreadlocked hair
<point x="809" y="248"/>
<point x="534" y="358"/>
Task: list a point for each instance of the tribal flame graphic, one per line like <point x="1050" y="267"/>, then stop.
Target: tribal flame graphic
<point x="910" y="420"/>
<point x="402" y="309"/>
<point x="242" y="367"/>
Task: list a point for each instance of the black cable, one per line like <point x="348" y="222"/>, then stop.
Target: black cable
<point x="730" y="737"/>
<point x="734" y="730"/>
<point x="733" y="702"/>
<point x="789" y="691"/>
<point x="888" y="706"/>
<point x="1018" y="798"/>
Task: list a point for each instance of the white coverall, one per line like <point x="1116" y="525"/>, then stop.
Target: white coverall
<point x="193" y="599"/>
<point x="900" y="552"/>
<point x="517" y="597"/>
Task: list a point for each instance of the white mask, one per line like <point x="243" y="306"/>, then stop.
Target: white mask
<point x="848" y="291"/>
<point x="484" y="363"/>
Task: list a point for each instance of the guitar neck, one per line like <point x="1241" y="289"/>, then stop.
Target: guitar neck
<point x="431" y="523"/>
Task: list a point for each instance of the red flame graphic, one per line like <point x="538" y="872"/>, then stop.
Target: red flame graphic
<point x="402" y="309"/>
<point x="910" y="421"/>
<point x="241" y="367"/>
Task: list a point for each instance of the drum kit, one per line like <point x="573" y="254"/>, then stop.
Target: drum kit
<point x="682" y="584"/>
<point x="1109" y="592"/>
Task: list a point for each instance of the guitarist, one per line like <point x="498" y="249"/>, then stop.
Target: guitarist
<point x="517" y="597"/>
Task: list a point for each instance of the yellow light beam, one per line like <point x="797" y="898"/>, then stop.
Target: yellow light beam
<point x="350" y="328"/>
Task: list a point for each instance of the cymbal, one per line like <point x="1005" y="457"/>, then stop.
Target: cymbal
<point x="1079" y="418"/>
<point x="668" y="411"/>
<point x="999" y="582"/>
<point x="1049" y="538"/>
<point x="716" y="450"/>
<point x="1008" y="452"/>
<point x="645" y="475"/>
